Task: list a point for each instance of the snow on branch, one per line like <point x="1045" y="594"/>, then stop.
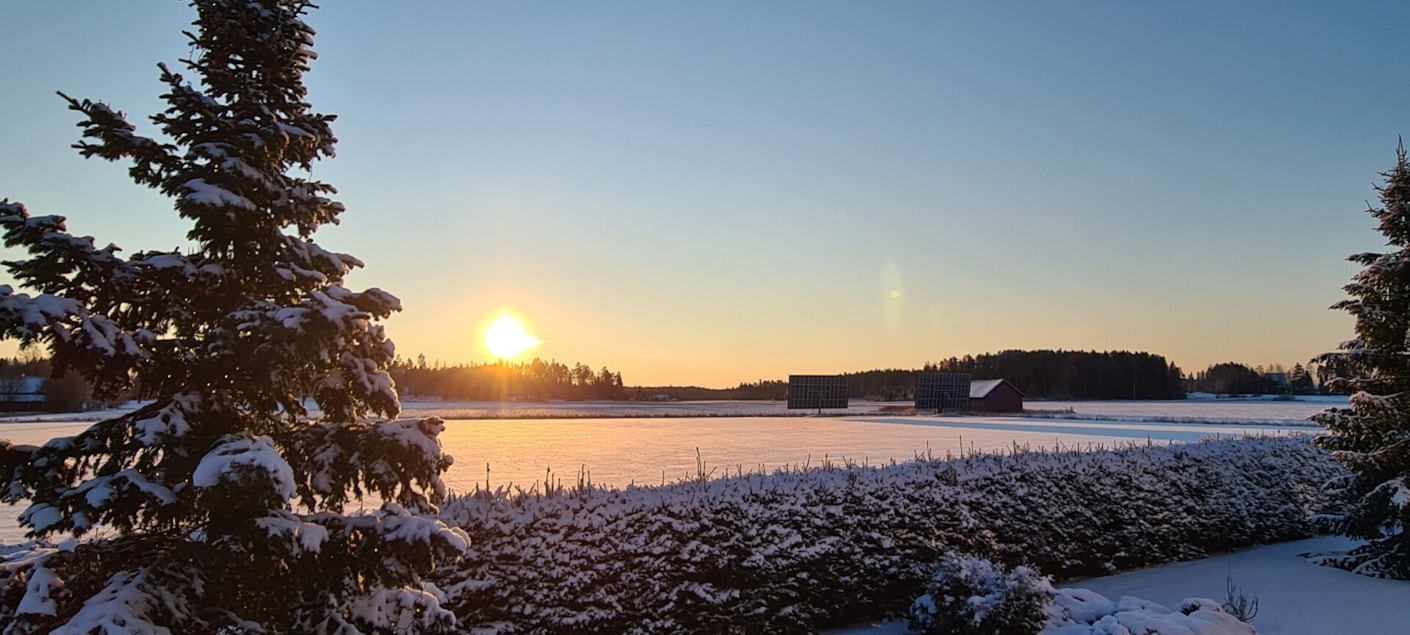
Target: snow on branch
<point x="391" y="611"/>
<point x="113" y="137"/>
<point x="40" y="590"/>
<point x="392" y="459"/>
<point x="304" y="536"/>
<point x="201" y="192"/>
<point x="28" y="317"/>
<point x="221" y="465"/>
<point x="134" y="603"/>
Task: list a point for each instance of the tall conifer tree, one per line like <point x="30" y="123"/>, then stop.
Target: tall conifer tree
<point x="1372" y="436"/>
<point x="224" y="500"/>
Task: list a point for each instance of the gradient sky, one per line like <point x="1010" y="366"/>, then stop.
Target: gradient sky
<point x="704" y="193"/>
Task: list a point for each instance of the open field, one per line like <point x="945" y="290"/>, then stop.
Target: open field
<point x="617" y="444"/>
<point x="1199" y="408"/>
<point x="618" y="452"/>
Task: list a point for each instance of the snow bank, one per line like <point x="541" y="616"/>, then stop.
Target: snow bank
<point x="1084" y="612"/>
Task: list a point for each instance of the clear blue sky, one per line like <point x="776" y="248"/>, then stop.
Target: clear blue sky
<point x="714" y="192"/>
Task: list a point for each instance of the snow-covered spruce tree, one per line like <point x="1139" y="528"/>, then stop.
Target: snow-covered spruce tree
<point x="1372" y="437"/>
<point x="221" y="503"/>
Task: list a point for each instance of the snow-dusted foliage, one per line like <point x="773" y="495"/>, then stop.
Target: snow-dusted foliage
<point x="799" y="551"/>
<point x="1083" y="612"/>
<point x="969" y="595"/>
<point x="221" y="504"/>
<point x="1372" y="436"/>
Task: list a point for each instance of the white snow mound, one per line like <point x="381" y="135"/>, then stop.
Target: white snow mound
<point x="1086" y="612"/>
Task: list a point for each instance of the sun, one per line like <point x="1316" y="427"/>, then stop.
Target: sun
<point x="506" y="338"/>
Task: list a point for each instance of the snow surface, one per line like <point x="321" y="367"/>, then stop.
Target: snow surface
<point x="1084" y="612"/>
<point x="1295" y="597"/>
<point x="1194" y="410"/>
<point x="653" y="450"/>
<point x="980" y="388"/>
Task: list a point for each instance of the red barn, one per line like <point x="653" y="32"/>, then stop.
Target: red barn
<point x="994" y="395"/>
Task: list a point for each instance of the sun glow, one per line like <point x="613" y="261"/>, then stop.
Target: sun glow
<point x="506" y="338"/>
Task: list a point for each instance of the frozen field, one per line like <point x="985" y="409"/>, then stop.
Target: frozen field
<point x="621" y="451"/>
<point x="616" y="448"/>
<point x="1198" y="407"/>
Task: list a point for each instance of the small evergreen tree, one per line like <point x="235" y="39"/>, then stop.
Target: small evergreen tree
<point x="1372" y="436"/>
<point x="225" y="503"/>
<point x="1300" y="381"/>
<point x="969" y="595"/>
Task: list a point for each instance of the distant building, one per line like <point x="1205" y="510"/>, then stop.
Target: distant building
<point x="994" y="395"/>
<point x="21" y="393"/>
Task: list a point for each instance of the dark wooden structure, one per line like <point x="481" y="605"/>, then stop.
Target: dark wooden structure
<point x="19" y="394"/>
<point x="994" y="395"/>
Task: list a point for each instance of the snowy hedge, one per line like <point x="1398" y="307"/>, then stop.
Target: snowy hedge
<point x="800" y="551"/>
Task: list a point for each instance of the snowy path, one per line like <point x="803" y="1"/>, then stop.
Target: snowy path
<point x="1295" y="598"/>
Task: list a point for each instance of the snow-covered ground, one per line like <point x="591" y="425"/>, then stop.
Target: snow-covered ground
<point x="621" y="451"/>
<point x="413" y="407"/>
<point x="1294" y="597"/>
<point x="648" y="442"/>
<point x="1198" y="407"/>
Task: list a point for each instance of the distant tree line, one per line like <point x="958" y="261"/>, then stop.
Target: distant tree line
<point x="1230" y="378"/>
<point x="762" y="390"/>
<point x="536" y="380"/>
<point x="1041" y="374"/>
<point x="1048" y="374"/>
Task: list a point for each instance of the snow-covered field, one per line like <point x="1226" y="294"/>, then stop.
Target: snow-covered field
<point x="621" y="451"/>
<point x="1294" y="597"/>
<point x="618" y="444"/>
<point x="1199" y="407"/>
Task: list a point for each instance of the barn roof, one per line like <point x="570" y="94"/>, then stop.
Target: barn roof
<point x="22" y="385"/>
<point x="980" y="388"/>
<point x="25" y="389"/>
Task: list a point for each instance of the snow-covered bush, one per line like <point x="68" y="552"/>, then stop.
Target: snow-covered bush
<point x="969" y="595"/>
<point x="799" y="551"/>
<point x="220" y="505"/>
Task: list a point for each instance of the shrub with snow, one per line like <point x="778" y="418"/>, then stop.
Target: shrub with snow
<point x="969" y="595"/>
<point x="796" y="552"/>
<point x="221" y="504"/>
